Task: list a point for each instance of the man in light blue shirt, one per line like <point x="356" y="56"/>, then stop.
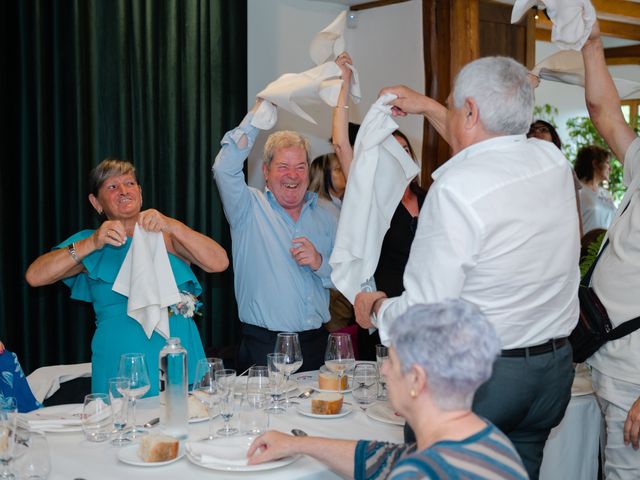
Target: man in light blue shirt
<point x="281" y="241"/>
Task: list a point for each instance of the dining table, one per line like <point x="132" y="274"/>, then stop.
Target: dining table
<point x="74" y="457"/>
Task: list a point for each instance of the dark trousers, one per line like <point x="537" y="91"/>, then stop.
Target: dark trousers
<point x="257" y="342"/>
<point x="525" y="398"/>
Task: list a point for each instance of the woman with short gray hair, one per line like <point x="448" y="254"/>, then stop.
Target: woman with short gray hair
<point x="439" y="355"/>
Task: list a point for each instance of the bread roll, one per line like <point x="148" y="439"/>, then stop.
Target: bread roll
<point x="158" y="448"/>
<point x="326" y="403"/>
<point x="196" y="408"/>
<point x="329" y="381"/>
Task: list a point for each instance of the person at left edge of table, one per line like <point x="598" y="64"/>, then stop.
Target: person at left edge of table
<point x="89" y="261"/>
<point x="281" y="241"/>
<point x="13" y="382"/>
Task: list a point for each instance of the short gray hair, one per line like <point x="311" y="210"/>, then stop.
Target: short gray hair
<point x="501" y="89"/>
<point x="107" y="168"/>
<point x="284" y="139"/>
<point x="455" y="344"/>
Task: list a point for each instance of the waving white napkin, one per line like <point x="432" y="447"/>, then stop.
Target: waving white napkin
<point x="379" y="174"/>
<point x="567" y="66"/>
<point x="572" y="20"/>
<point x="320" y="83"/>
<point x="146" y="278"/>
<point x="232" y="453"/>
<point x="45" y="381"/>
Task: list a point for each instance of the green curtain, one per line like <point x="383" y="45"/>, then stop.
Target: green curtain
<point x="157" y="82"/>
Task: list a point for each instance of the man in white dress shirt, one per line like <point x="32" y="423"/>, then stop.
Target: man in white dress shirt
<point x="499" y="229"/>
<point x="616" y="278"/>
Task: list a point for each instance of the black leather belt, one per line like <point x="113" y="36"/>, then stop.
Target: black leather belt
<point x="547" y="347"/>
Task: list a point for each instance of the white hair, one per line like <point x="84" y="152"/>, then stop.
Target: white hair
<point x="501" y="89"/>
<point x="454" y="343"/>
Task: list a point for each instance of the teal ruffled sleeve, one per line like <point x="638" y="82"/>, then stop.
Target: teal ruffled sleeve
<point x="104" y="264"/>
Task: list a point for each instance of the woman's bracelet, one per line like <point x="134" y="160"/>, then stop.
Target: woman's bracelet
<point x="71" y="248"/>
<point x="346" y="107"/>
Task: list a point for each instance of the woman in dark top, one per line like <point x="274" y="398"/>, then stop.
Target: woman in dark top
<point x="396" y="245"/>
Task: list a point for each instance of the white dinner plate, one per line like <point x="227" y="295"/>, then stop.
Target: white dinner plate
<point x="305" y="409"/>
<point x="241" y="384"/>
<point x="55" y="419"/>
<point x="201" y="419"/>
<point x="129" y="454"/>
<point x="238" y="446"/>
<point x="383" y="412"/>
<point x="310" y="379"/>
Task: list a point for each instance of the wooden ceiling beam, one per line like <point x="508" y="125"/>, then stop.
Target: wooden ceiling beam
<point x="622" y="8"/>
<point x="607" y="27"/>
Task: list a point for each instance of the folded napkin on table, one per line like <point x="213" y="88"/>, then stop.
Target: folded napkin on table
<point x="572" y="20"/>
<point x="45" y="381"/>
<point x="567" y="66"/>
<point x="321" y="82"/>
<point x="146" y="278"/>
<point x="229" y="454"/>
<point x="378" y="176"/>
<point x="60" y="416"/>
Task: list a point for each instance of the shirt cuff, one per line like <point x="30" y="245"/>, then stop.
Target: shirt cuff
<point x="382" y="322"/>
<point x="245" y="128"/>
<point x="324" y="272"/>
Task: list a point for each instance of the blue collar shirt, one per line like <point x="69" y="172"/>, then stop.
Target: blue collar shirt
<point x="272" y="290"/>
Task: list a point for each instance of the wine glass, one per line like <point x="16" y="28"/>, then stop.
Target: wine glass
<point x="134" y="368"/>
<point x="119" y="409"/>
<point x="205" y="388"/>
<point x="289" y="344"/>
<point x="8" y="420"/>
<point x="339" y="356"/>
<point x="275" y="361"/>
<point x="34" y="463"/>
<point x="382" y="353"/>
<point x="226" y="381"/>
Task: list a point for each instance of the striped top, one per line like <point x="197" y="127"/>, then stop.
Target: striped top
<point x="487" y="454"/>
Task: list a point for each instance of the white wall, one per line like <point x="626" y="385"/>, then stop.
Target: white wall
<point x="386" y="48"/>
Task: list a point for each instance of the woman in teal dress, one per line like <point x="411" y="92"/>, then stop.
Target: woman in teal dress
<point x="89" y="262"/>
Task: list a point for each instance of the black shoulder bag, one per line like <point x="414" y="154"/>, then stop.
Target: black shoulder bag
<point x="594" y="328"/>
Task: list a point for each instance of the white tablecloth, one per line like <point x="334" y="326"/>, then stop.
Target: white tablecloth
<point x="72" y="457"/>
<point x="571" y="452"/>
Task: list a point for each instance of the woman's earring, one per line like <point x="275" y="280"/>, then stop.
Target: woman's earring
<point x="413" y="393"/>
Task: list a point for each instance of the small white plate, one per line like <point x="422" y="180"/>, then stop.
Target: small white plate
<point x="310" y="380"/>
<point x="383" y="412"/>
<point x="239" y="444"/>
<point x="200" y="419"/>
<point x="305" y="409"/>
<point x="129" y="454"/>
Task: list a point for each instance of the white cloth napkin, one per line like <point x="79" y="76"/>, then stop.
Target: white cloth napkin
<point x="231" y="454"/>
<point x="572" y="20"/>
<point x="379" y="174"/>
<point x="58" y="417"/>
<point x="320" y="83"/>
<point x="146" y="278"/>
<point x="45" y="381"/>
<point x="567" y="66"/>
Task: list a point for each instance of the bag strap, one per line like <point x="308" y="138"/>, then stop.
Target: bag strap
<point x="624" y="329"/>
<point x="586" y="280"/>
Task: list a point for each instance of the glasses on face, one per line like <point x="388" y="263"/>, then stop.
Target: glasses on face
<point x="538" y="129"/>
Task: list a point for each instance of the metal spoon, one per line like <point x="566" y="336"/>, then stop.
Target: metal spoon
<point x="151" y="422"/>
<point x="298" y="433"/>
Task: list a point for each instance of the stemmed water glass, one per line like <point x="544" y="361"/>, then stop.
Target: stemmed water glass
<point x="134" y="368"/>
<point x="339" y="356"/>
<point x="34" y="463"/>
<point x="276" y="381"/>
<point x="226" y="381"/>
<point x="288" y="344"/>
<point x="119" y="409"/>
<point x="382" y="353"/>
<point x="8" y="419"/>
<point x="258" y="380"/>
<point x="205" y="388"/>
